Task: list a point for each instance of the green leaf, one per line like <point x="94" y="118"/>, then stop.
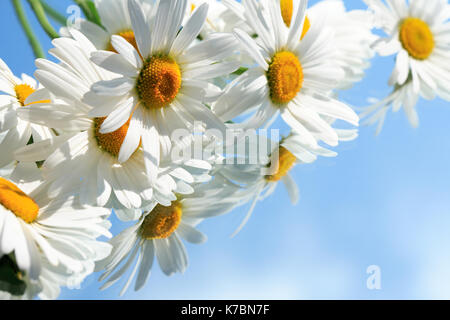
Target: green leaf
<point x="10" y="277"/>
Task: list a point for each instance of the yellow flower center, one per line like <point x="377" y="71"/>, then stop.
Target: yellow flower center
<point x="23" y="91"/>
<point x="285" y="163"/>
<point x="110" y="142"/>
<point x="162" y="221"/>
<point x="416" y="38"/>
<point x="159" y="82"/>
<point x="285" y="77"/>
<point x="127" y="35"/>
<point x="16" y="201"/>
<point x="287" y="8"/>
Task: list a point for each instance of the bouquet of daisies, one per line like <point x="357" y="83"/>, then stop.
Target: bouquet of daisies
<point x="168" y="112"/>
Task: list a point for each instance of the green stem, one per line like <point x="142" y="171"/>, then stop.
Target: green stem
<point x="89" y="10"/>
<point x="54" y="14"/>
<point x="32" y="39"/>
<point x="42" y="18"/>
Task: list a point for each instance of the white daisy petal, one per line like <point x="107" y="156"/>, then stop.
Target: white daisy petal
<point x="114" y="63"/>
<point x="191" y="30"/>
<point x="251" y="48"/>
<point x="140" y="27"/>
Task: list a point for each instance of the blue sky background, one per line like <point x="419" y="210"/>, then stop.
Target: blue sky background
<point x="385" y="200"/>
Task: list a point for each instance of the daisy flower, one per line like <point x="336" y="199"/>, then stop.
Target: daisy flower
<point x="115" y="19"/>
<point x="40" y="232"/>
<point x="96" y="164"/>
<point x="292" y="77"/>
<point x="14" y="131"/>
<point x="260" y="180"/>
<point x="419" y="37"/>
<point x="352" y="36"/>
<point x="163" y="82"/>
<point x="159" y="232"/>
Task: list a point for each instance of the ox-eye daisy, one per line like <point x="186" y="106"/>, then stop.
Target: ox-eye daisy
<point x="163" y="80"/>
<point x="352" y="33"/>
<point x="14" y="131"/>
<point x="293" y="77"/>
<point x="260" y="180"/>
<point x="85" y="159"/>
<point x="41" y="233"/>
<point x="418" y="34"/>
<point x="159" y="233"/>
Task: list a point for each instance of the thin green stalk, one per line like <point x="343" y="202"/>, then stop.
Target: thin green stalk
<point x="42" y="18"/>
<point x="32" y="39"/>
<point x="89" y="10"/>
<point x="54" y="14"/>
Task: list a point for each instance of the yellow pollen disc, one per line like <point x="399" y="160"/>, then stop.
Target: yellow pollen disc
<point x="127" y="35"/>
<point x="162" y="221"/>
<point x="287" y="8"/>
<point x="23" y="91"/>
<point x="416" y="38"/>
<point x="110" y="142"/>
<point x="192" y="7"/>
<point x="16" y="201"/>
<point x="286" y="162"/>
<point x="285" y="77"/>
<point x="159" y="82"/>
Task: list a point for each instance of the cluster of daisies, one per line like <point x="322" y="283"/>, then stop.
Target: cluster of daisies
<point x="94" y="132"/>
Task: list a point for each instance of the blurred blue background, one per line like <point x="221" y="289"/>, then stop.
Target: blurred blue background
<point x="385" y="201"/>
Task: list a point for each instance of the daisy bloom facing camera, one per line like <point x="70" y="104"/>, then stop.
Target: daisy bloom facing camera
<point x="163" y="81"/>
<point x="294" y="75"/>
